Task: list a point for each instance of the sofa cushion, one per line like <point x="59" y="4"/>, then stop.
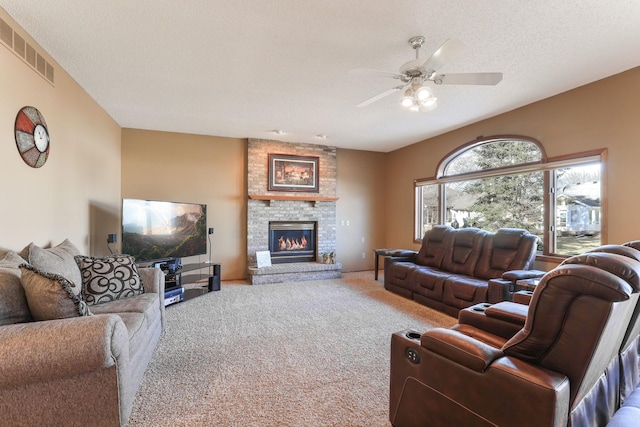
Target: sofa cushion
<point x="57" y="260"/>
<point x="463" y="291"/>
<point x="146" y="303"/>
<point x="51" y="296"/>
<point x="13" y="301"/>
<point x="138" y="330"/>
<point x="109" y="278"/>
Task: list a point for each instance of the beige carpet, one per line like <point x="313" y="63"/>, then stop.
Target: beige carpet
<point x="293" y="354"/>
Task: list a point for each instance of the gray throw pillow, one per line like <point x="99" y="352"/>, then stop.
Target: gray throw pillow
<point x="58" y="260"/>
<point x="109" y="278"/>
<point x="51" y="296"/>
<point x="13" y="301"/>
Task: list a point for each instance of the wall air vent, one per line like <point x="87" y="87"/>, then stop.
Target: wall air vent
<point x="19" y="46"/>
<point x="6" y="33"/>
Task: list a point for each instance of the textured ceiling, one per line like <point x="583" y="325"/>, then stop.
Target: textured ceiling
<point x="244" y="68"/>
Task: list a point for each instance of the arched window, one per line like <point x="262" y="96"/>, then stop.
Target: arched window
<point x="499" y="182"/>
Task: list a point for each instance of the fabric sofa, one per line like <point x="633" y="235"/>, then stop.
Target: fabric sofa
<point x="453" y="267"/>
<point x="76" y="335"/>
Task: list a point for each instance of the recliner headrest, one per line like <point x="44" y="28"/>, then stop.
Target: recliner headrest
<point x="626" y="268"/>
<point x="620" y="250"/>
<point x="508" y="238"/>
<point x="635" y="244"/>
<point x="438" y="233"/>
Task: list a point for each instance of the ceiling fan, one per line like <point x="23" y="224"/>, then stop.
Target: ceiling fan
<point x="415" y="74"/>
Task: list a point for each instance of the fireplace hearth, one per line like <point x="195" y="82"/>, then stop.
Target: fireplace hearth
<point x="292" y="241"/>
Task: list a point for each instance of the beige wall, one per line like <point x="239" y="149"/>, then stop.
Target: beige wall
<point x="360" y="208"/>
<point x="198" y="169"/>
<point x="604" y="114"/>
<point x="212" y="170"/>
<point x="76" y="194"/>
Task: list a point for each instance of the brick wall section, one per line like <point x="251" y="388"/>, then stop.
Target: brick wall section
<point x="260" y="212"/>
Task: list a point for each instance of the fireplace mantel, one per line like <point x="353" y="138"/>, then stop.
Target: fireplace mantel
<point x="302" y="197"/>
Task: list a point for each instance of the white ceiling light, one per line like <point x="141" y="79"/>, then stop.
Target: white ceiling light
<point x="419" y="97"/>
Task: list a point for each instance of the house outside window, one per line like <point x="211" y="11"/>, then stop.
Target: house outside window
<point x="508" y="182"/>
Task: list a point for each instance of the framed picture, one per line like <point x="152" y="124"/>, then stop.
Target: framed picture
<point x="293" y="173"/>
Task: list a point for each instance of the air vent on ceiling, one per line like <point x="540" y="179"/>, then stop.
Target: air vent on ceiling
<point x="18" y="45"/>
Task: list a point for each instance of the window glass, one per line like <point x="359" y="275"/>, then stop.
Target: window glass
<point x="429" y="215"/>
<point x="491" y="155"/>
<point x="577" y="209"/>
<point x="504" y="183"/>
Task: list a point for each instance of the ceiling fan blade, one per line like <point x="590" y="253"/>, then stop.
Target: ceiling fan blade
<point x="376" y="72"/>
<point x="468" y="79"/>
<point x="380" y="96"/>
<point x="445" y="53"/>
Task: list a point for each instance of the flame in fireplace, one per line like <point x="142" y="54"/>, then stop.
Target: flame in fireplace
<point x="292" y="244"/>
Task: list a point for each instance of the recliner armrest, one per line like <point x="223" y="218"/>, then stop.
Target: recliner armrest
<point x="402" y="256"/>
<point x="508" y="311"/>
<point x="515" y="275"/>
<point x="460" y="348"/>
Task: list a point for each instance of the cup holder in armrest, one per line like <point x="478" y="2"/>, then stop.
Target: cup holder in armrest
<point x="481" y="307"/>
<point x="413" y="335"/>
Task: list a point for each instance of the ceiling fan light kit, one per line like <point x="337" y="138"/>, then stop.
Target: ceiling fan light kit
<point x="417" y="73"/>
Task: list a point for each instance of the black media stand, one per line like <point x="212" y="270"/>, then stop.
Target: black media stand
<point x="181" y="286"/>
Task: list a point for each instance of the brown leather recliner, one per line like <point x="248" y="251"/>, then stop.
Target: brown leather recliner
<point x="484" y="322"/>
<point x="549" y="374"/>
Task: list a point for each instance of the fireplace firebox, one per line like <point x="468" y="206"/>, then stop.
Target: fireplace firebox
<point x="292" y="241"/>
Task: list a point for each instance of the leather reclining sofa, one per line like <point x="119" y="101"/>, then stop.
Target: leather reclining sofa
<point x="453" y="267"/>
<point x="570" y="357"/>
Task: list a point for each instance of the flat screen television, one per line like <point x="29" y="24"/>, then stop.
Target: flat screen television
<point x="156" y="230"/>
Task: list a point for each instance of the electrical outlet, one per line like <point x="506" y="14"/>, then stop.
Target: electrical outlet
<point x="347" y="223"/>
<point x="112" y="238"/>
<point x="364" y="255"/>
<point x="363" y="240"/>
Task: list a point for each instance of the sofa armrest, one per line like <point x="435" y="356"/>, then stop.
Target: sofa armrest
<point x="49" y="350"/>
<point x="460" y="348"/>
<point x="153" y="280"/>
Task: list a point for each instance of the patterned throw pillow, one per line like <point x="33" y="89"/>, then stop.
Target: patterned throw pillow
<point x="109" y="278"/>
<point x="51" y="296"/>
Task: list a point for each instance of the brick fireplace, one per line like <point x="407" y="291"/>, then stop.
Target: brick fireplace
<point x="274" y="207"/>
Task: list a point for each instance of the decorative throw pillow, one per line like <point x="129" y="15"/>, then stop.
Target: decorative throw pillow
<point x="51" y="296"/>
<point x="58" y="260"/>
<point x="13" y="301"/>
<point x="109" y="278"/>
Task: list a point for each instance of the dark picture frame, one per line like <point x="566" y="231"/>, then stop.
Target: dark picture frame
<point x="293" y="173"/>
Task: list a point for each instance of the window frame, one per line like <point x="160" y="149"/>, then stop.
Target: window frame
<point x="547" y="165"/>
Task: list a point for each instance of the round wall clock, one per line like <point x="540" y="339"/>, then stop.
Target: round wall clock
<point x="32" y="136"/>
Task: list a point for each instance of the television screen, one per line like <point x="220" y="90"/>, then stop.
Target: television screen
<point x="156" y="230"/>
